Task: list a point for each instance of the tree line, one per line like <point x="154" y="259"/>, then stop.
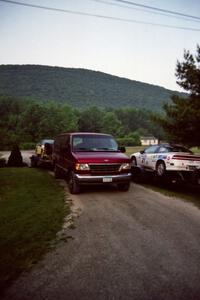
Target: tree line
<point x="28" y="121"/>
<point x="25" y="122"/>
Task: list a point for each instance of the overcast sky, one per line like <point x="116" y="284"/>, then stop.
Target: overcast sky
<point x="136" y="51"/>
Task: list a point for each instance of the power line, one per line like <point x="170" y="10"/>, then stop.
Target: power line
<point x="145" y="10"/>
<point x="158" y="9"/>
<point x="98" y="16"/>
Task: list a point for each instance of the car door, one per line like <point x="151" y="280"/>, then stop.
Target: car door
<point x="149" y="157"/>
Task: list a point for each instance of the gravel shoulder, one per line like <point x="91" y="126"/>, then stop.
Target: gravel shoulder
<point x="134" y="245"/>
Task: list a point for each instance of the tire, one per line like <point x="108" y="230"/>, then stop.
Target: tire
<point x="133" y="161"/>
<point x="57" y="172"/>
<point x="160" y="169"/>
<point x="124" y="186"/>
<point x="34" y="162"/>
<point x="74" y="186"/>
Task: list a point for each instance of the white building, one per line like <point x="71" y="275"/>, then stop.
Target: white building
<point x="148" y="140"/>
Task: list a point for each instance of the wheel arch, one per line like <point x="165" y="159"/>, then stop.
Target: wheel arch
<point x="133" y="157"/>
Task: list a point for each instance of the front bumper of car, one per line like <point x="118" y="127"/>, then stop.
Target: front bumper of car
<point x="102" y="179"/>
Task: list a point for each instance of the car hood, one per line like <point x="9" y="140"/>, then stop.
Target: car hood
<point x="101" y="157"/>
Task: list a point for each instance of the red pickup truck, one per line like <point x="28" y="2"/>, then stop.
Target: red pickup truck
<point x="90" y="158"/>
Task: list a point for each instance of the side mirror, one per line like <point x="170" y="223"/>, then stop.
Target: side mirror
<point x="122" y="149"/>
<point x="142" y="152"/>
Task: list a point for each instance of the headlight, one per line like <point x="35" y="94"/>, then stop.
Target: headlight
<point x="125" y="166"/>
<point x="82" y="167"/>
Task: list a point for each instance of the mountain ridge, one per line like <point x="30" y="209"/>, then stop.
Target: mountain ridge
<point x="80" y="87"/>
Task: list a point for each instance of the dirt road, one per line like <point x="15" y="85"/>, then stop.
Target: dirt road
<point x="126" y="245"/>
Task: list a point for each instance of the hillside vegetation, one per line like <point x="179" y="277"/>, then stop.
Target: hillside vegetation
<point x="79" y="87"/>
<point x="23" y="121"/>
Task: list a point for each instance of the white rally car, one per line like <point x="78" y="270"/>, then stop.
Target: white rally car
<point x="167" y="158"/>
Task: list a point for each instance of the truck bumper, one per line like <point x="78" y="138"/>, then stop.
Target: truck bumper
<point x="97" y="179"/>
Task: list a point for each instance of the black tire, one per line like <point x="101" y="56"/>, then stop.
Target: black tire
<point x="124" y="186"/>
<point x="34" y="162"/>
<point x="57" y="172"/>
<point x="160" y="169"/>
<point x="133" y="161"/>
<point x="74" y="186"/>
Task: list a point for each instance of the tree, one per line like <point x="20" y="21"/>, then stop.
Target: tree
<point x="111" y="124"/>
<point x="15" y="158"/>
<point x="91" y="120"/>
<point x="11" y="109"/>
<point x="181" y="119"/>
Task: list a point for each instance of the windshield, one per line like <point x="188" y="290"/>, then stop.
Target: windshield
<point x="94" y="143"/>
<point x="174" y="148"/>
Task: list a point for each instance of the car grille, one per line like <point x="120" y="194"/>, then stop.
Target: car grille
<point x="104" y="167"/>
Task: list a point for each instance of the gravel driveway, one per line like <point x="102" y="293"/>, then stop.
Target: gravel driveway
<point x="137" y="245"/>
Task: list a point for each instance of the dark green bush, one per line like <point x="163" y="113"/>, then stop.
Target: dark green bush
<point x="2" y="162"/>
<point x="15" y="158"/>
<point x="128" y="141"/>
<point x="27" y="146"/>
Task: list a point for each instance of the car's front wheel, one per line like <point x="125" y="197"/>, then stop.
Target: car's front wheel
<point x="74" y="186"/>
<point x="133" y="161"/>
<point x="160" y="169"/>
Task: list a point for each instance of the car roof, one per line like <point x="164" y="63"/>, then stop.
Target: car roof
<point x="85" y="133"/>
<point x="168" y="145"/>
<point x="47" y="141"/>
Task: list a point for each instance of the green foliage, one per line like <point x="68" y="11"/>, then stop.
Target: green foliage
<point x="79" y="88"/>
<point x="27" y="146"/>
<point x="26" y="122"/>
<point x="30" y="121"/>
<point x="111" y="124"/>
<point x="132" y="139"/>
<point x="181" y="119"/>
<point x="188" y="73"/>
<point x="90" y="120"/>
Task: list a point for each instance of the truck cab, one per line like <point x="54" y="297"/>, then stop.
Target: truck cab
<point x="90" y="158"/>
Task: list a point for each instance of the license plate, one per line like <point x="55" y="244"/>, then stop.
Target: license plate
<point x="107" y="179"/>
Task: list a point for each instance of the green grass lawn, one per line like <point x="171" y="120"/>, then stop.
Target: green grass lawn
<point x="32" y="210"/>
<point x="131" y="150"/>
<point x="196" y="150"/>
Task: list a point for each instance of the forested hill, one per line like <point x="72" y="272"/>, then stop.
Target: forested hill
<point x="79" y="87"/>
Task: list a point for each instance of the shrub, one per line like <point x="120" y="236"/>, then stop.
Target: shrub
<point x="27" y="146"/>
<point x="2" y="162"/>
<point x="15" y="158"/>
<point x="128" y="141"/>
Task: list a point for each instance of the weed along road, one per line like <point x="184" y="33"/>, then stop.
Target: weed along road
<point x="124" y="245"/>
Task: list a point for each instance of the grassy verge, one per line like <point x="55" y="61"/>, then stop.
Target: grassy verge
<point x="31" y="213"/>
<point x="196" y="150"/>
<point x="131" y="150"/>
<point x="183" y="191"/>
